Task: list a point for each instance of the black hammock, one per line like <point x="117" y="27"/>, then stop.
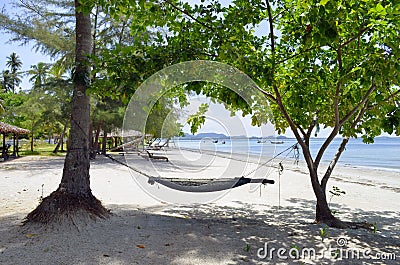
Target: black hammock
<point x="204" y="185"/>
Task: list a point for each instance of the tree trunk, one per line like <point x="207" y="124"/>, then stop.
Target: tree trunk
<point x="32" y="141"/>
<point x="323" y="213"/>
<point x="3" y="150"/>
<point x="14" y="142"/>
<point x="62" y="144"/>
<point x="17" y="146"/>
<point x="91" y="136"/>
<point x="74" y="198"/>
<point x="104" y="144"/>
<point x="96" y="138"/>
<point x="61" y="141"/>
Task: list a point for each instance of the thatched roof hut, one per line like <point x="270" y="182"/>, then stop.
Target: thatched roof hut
<point x="7" y="128"/>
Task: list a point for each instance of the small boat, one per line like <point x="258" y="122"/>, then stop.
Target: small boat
<point x="276" y="142"/>
<point x="223" y="142"/>
<point x="215" y="141"/>
<point x="261" y="141"/>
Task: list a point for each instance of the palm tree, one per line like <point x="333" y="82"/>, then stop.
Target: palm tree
<point x="15" y="64"/>
<point x="39" y="74"/>
<point x="6" y="81"/>
<point x="74" y="194"/>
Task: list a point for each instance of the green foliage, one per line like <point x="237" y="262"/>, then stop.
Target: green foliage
<point x="39" y="74"/>
<point x="247" y="248"/>
<point x="10" y="79"/>
<point x="48" y="24"/>
<point x="294" y="250"/>
<point x="324" y="232"/>
<point x="304" y="66"/>
<point x="198" y="119"/>
<point x="162" y="120"/>
<point x="375" y="228"/>
<point x="109" y="112"/>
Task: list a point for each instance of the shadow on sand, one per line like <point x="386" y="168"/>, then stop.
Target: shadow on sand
<point x="197" y="234"/>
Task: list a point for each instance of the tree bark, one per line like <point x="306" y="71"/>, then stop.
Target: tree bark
<point x="96" y="139"/>
<point x="14" y="142"/>
<point x="61" y="140"/>
<point x="104" y="144"/>
<point x="74" y="196"/>
<point x="32" y="139"/>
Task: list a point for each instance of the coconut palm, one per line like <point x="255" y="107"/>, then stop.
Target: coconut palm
<point x="6" y="81"/>
<point x="39" y="74"/>
<point x="14" y="63"/>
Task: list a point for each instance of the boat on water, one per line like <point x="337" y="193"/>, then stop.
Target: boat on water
<point x="223" y="142"/>
<point x="215" y="141"/>
<point x="277" y="142"/>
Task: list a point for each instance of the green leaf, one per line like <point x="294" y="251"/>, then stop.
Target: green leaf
<point x="379" y="97"/>
<point x="323" y="2"/>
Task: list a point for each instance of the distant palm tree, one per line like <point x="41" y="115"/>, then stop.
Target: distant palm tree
<point x="39" y="74"/>
<point x="6" y="81"/>
<point x="14" y="63"/>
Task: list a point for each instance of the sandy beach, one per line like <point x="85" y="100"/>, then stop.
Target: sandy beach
<point x="152" y="224"/>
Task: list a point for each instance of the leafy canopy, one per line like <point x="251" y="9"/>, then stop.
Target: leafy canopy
<point x="329" y="63"/>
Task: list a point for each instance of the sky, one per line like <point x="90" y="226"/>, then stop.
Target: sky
<point x="220" y="120"/>
<point x="26" y="53"/>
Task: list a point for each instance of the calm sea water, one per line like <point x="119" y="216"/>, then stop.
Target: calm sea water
<point x="383" y="154"/>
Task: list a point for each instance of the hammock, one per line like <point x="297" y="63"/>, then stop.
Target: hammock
<point x="204" y="185"/>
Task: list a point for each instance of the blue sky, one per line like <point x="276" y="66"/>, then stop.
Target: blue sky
<point x="27" y="54"/>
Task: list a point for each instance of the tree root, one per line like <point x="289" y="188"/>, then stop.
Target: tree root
<point x="60" y="206"/>
<point x="336" y="223"/>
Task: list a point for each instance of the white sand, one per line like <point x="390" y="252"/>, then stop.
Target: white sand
<point x="230" y="230"/>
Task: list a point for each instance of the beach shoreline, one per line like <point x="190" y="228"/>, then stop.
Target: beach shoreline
<point x="230" y="230"/>
<point x="356" y="154"/>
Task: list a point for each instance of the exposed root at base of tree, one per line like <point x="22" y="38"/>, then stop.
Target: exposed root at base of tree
<point x="60" y="206"/>
<point x="336" y="223"/>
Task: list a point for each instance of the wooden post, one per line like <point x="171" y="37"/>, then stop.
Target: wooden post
<point x="14" y="144"/>
<point x="3" y="153"/>
<point x="17" y="146"/>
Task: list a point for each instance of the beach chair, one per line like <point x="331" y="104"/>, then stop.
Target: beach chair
<point x="158" y="146"/>
<point x="157" y="157"/>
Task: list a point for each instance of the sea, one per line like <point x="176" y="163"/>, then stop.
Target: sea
<point x="383" y="154"/>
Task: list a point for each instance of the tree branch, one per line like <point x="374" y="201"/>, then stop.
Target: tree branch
<point x="362" y="31"/>
<point x="340" y="150"/>
<point x="298" y="54"/>
<point x="332" y="164"/>
<point x="265" y="93"/>
<point x="392" y="96"/>
<point x="337" y="126"/>
<point x="189" y="15"/>
<point x="341" y="122"/>
<point x="301" y="130"/>
<point x="309" y="131"/>
<point x="278" y="97"/>
<point x="271" y="31"/>
<point x="362" y="102"/>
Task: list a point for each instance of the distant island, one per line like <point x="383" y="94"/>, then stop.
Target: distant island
<point x="223" y="136"/>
